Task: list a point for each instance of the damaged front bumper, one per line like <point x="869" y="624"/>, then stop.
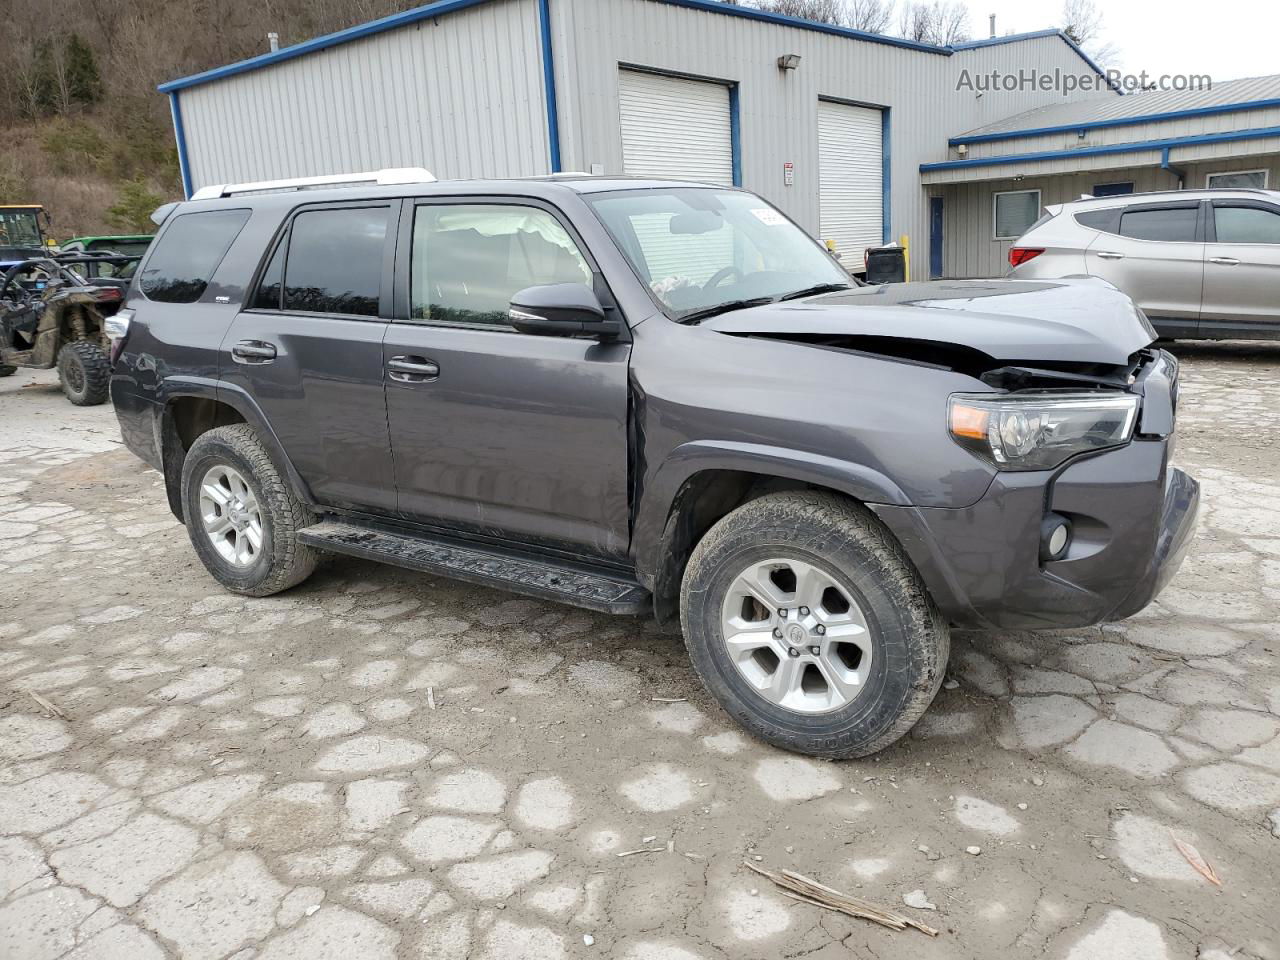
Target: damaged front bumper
<point x="1131" y="515"/>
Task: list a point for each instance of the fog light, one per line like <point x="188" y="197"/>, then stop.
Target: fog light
<point x="1055" y="537"/>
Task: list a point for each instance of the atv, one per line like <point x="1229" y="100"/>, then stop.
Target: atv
<point x="51" y="316"/>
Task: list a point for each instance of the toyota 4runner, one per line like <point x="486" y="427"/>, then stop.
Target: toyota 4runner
<point x="645" y="396"/>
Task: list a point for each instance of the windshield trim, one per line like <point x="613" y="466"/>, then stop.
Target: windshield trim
<point x="677" y="316"/>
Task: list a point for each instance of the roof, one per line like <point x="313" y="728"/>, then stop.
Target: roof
<point x="444" y="7"/>
<point x="1253" y="93"/>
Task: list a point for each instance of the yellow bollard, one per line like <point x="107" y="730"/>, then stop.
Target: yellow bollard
<point x="905" y="242"/>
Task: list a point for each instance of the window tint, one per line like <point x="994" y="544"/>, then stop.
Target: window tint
<point x="1246" y="225"/>
<point x="268" y="295"/>
<point x="335" y="261"/>
<point x="1108" y="221"/>
<point x="1172" y="224"/>
<point x="1243" y="178"/>
<point x="1015" y="213"/>
<point x="468" y="261"/>
<point x="188" y="253"/>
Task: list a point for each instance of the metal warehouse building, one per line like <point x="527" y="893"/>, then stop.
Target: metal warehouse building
<point x="1000" y="174"/>
<point x="683" y="88"/>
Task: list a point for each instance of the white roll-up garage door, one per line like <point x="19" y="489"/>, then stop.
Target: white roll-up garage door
<point x="673" y="127"/>
<point x="850" y="179"/>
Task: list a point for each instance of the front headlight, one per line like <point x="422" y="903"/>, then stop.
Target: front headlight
<point x="1039" y="431"/>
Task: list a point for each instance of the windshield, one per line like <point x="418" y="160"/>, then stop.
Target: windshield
<point x="701" y="249"/>
<point x="18" y="228"/>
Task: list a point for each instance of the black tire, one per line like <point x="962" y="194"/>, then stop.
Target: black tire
<point x="7" y="371"/>
<point x="85" y="373"/>
<point x="910" y="639"/>
<point x="281" y="562"/>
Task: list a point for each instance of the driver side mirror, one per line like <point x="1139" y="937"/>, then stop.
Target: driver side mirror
<point x="561" y="310"/>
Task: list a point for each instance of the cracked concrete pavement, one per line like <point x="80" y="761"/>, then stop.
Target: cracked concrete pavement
<point x="267" y="779"/>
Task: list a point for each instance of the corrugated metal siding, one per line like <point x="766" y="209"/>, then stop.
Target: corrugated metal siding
<point x="969" y="249"/>
<point x="673" y="127"/>
<point x="1138" y="105"/>
<point x="461" y="95"/>
<point x="850" y="180"/>
<point x="778" y="109"/>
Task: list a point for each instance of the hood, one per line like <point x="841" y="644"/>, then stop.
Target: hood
<point x="1084" y="320"/>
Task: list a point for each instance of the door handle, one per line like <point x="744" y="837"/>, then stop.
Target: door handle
<point x="1110" y="255"/>
<point x="1225" y="261"/>
<point x="253" y="351"/>
<point x="412" y="369"/>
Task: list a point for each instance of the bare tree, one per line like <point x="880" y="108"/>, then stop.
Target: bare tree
<point x="940" y="22"/>
<point x="873" y="16"/>
<point x="1082" y="21"/>
<point x="823" y="11"/>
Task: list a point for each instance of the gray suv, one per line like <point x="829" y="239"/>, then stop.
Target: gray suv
<point x="1200" y="263"/>
<point x="649" y="397"/>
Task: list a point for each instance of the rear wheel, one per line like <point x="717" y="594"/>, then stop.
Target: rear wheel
<point x="809" y="625"/>
<point x="7" y="371"/>
<point x="85" y="373"/>
<point x="242" y="516"/>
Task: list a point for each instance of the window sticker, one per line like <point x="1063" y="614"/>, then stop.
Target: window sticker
<point x="768" y="216"/>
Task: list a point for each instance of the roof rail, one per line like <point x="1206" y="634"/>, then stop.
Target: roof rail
<point x="388" y="177"/>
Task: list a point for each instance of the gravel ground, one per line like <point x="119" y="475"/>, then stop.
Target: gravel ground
<point x="270" y="779"/>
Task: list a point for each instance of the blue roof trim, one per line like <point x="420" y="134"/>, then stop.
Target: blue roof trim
<point x="1140" y="146"/>
<point x="323" y="43"/>
<point x="1210" y="111"/>
<point x="751" y="13"/>
<point x="1008" y="38"/>
<point x="1036" y="35"/>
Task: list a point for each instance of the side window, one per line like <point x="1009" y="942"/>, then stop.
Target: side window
<point x="1246" y="225"/>
<point x="1237" y="179"/>
<point x="1108" y="221"/>
<point x="1171" y="224"/>
<point x="1015" y="212"/>
<point x="190" y="250"/>
<point x="469" y="260"/>
<point x="268" y="295"/>
<point x="334" y="263"/>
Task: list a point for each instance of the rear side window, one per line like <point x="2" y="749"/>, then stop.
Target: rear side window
<point x="1246" y="225"/>
<point x="1170" y="224"/>
<point x="181" y="266"/>
<point x="1108" y="221"/>
<point x="334" y="261"/>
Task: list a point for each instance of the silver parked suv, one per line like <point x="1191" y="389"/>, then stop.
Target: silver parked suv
<point x="1200" y="263"/>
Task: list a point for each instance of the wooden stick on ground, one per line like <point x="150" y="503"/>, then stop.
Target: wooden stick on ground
<point x="810" y="891"/>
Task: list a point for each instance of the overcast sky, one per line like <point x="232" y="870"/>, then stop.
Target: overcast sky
<point x="1227" y="40"/>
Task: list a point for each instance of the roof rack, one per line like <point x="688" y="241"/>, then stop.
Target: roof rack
<point x="388" y="177"/>
<point x="1259" y="191"/>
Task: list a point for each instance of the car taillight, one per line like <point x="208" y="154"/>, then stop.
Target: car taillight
<point x="117" y="330"/>
<point x="1020" y="255"/>
<point x="108" y="294"/>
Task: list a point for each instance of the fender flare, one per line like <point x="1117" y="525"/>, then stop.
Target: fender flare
<point x="860" y="482"/>
<point x="239" y="400"/>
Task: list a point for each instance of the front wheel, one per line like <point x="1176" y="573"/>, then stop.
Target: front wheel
<point x="242" y="515"/>
<point x="85" y="373"/>
<point x="807" y="622"/>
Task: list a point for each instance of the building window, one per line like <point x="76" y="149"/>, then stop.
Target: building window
<point x="1237" y="179"/>
<point x="1015" y="212"/>
<point x="1118" y="189"/>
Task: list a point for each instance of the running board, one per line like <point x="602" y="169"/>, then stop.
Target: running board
<point x="533" y="577"/>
